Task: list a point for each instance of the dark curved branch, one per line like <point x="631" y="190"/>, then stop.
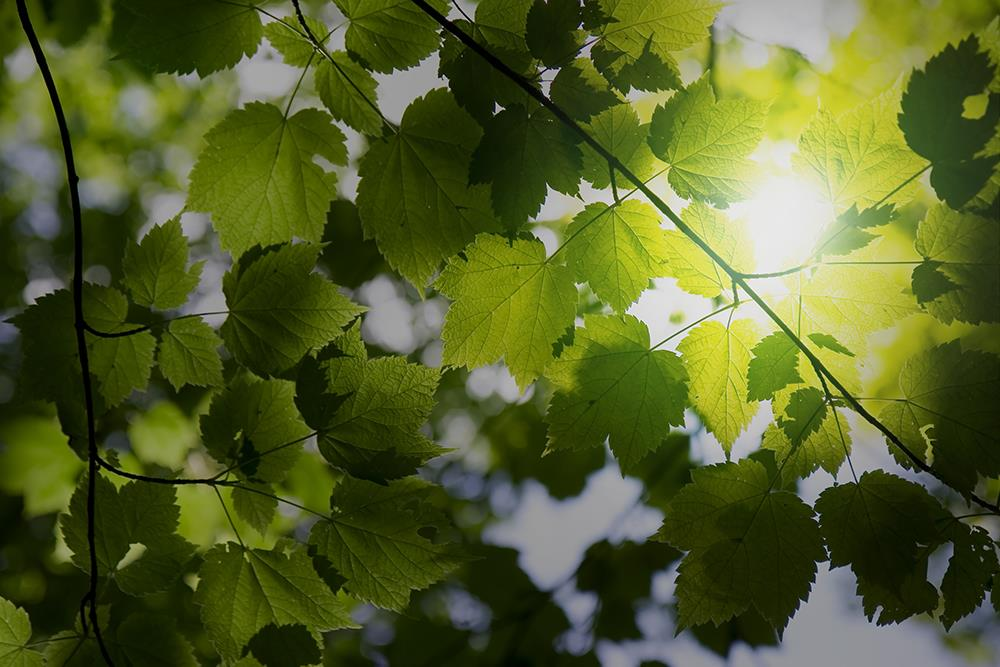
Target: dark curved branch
<point x="662" y="206"/>
<point x="79" y="323"/>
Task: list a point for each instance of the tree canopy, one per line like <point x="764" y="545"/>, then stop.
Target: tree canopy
<point x="302" y="298"/>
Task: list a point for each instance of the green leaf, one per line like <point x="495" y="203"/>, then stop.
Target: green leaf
<point x="413" y="196"/>
<point x="120" y="364"/>
<point x="253" y="425"/>
<point x="859" y="158"/>
<point x="878" y="526"/>
<point x="295" y="49"/>
<point x="257" y="178"/>
<point x="848" y="234"/>
<point x="551" y="30"/>
<point x="971" y="569"/>
<point x="645" y="33"/>
<point x="610" y="386"/>
<point x="390" y="34"/>
<point x="279" y="309"/>
<point x="935" y="127"/>
<point x="51" y="368"/>
<point x="803" y="415"/>
<point x="948" y="414"/>
<point x="825" y="445"/>
<point x="162" y="435"/>
<point x="716" y="357"/>
<point x="848" y="302"/>
<point x="748" y="545"/>
<point x="37" y="464"/>
<point x="961" y="278"/>
<point x="189" y="354"/>
<point x="502" y="23"/>
<point x="619" y="131"/>
<point x="349" y="91"/>
<point x="372" y="432"/>
<point x="48" y="346"/>
<point x="148" y="639"/>
<point x="510" y="302"/>
<point x="648" y="71"/>
<point x="694" y="270"/>
<point x="478" y="86"/>
<point x="774" y="366"/>
<point x="707" y="143"/>
<point x="928" y="283"/>
<point x="15" y="633"/>
<point x="184" y="36"/>
<point x="828" y="342"/>
<point x="618" y="249"/>
<point x="376" y="537"/>
<point x="156" y="272"/>
<point x="521" y="154"/>
<point x="289" y="645"/>
<point x="136" y="542"/>
<point x="257" y="509"/>
<point x="581" y="91"/>
<point x="242" y="590"/>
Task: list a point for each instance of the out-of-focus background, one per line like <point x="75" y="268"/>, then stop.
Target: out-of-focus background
<point x="567" y="560"/>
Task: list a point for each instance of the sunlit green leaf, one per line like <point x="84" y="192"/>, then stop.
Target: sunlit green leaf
<point x="510" y="302"/>
<point x="257" y="178"/>
<point x="706" y="143"/>
<point x="716" y="356"/>
<point x="617" y="249"/>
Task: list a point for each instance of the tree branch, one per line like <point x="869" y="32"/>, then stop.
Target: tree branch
<point x="79" y="323"/>
<point x="322" y="50"/>
<point x="662" y="206"/>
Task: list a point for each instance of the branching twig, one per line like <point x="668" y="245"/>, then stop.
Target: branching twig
<point x="322" y="50"/>
<point x="662" y="206"/>
<point x="79" y="323"/>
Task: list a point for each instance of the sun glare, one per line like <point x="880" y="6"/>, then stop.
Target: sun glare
<point x="785" y="217"/>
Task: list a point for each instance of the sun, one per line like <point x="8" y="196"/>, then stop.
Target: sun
<point x="785" y="216"/>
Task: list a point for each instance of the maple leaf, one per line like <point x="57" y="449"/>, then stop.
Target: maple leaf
<point x="859" y="158"/>
<point x="375" y="538"/>
<point x="242" y="590"/>
<point x="706" y="143"/>
<point x="257" y="177"/>
<point x="611" y="385"/>
<point x="748" y="545"/>
<point x="716" y="356"/>
<point x="510" y="302"/>
<point x="618" y="249"/>
<point x="414" y="198"/>
<point x="184" y="36"/>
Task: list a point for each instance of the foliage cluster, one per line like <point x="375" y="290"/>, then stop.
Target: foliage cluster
<point x="285" y="405"/>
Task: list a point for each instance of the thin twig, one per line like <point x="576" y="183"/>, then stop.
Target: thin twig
<point x="322" y="50"/>
<point x="79" y="323"/>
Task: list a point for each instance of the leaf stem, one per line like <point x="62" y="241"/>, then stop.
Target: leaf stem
<point x="79" y="323"/>
<point x="146" y="327"/>
<point x="731" y="306"/>
<point x="229" y="518"/>
<point x="322" y="50"/>
<point x="662" y="206"/>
